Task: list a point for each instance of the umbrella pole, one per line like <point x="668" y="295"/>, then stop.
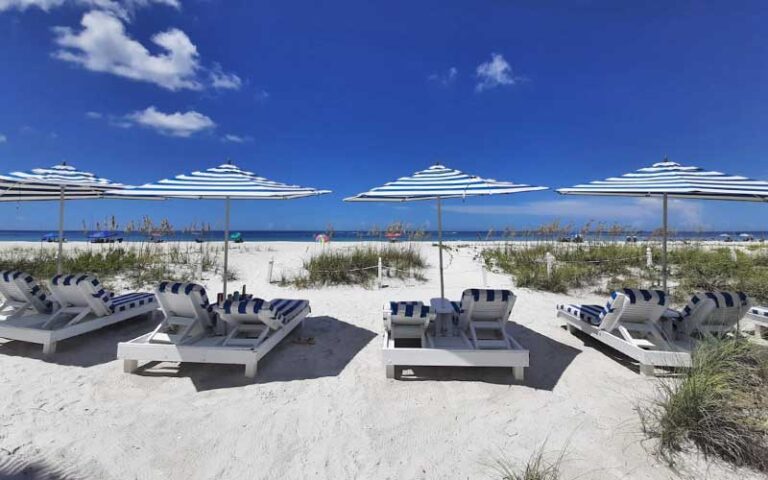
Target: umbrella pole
<point x="59" y="259"/>
<point x="440" y="245"/>
<point x="226" y="246"/>
<point x="664" y="244"/>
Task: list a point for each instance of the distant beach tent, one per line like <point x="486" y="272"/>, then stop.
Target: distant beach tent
<point x="225" y="182"/>
<point x="671" y="180"/>
<point x="59" y="182"/>
<point x="437" y="183"/>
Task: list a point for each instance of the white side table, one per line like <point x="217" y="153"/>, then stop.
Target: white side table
<point x="443" y="315"/>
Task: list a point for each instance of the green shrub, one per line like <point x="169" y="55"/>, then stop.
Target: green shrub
<point x="720" y="405"/>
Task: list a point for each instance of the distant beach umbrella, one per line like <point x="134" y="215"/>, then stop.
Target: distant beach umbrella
<point x="225" y="182"/>
<point x="59" y="182"/>
<point x="437" y="183"/>
<point x="322" y="238"/>
<point x="671" y="180"/>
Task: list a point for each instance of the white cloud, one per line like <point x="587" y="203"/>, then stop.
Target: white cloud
<point x="446" y="78"/>
<point x="122" y="8"/>
<point x="103" y="46"/>
<point x="224" y="81"/>
<point x="231" y="138"/>
<point x="3" y="138"/>
<point x="638" y="212"/>
<point x="174" y="124"/>
<point x="495" y="73"/>
<point x="94" y="115"/>
<point x="262" y="96"/>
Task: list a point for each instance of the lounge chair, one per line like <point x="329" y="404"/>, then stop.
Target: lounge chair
<point x="711" y="314"/>
<point x="190" y="331"/>
<point x="467" y="333"/>
<point x="252" y="321"/>
<point x="759" y="315"/>
<point x="408" y="320"/>
<point x="84" y="306"/>
<point x="631" y="323"/>
<point x="22" y="295"/>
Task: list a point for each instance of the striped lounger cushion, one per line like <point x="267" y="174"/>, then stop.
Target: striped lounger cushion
<point x="759" y="311"/>
<point x="721" y="299"/>
<point x="282" y="309"/>
<point x="26" y="282"/>
<point x="186" y="288"/>
<point x="286" y="309"/>
<point x="130" y="301"/>
<point x="588" y="313"/>
<point x="488" y="295"/>
<point x="594" y="314"/>
<point x="409" y="310"/>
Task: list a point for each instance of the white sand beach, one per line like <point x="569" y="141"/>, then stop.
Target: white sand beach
<point x="325" y="409"/>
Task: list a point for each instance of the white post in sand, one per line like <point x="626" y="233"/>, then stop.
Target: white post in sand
<point x="380" y="273"/>
<point x="550" y="259"/>
<point x="60" y="259"/>
<point x="270" y="266"/>
<point x="648" y="257"/>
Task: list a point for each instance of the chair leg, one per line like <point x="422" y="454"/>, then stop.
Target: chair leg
<point x="390" y="371"/>
<point x="130" y="366"/>
<point x="519" y="373"/>
<point x="49" y="348"/>
<point x="647" y="370"/>
<point x="250" y="370"/>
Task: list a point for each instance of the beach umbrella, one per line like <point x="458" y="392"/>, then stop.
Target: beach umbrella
<point x="59" y="182"/>
<point x="226" y="182"/>
<point x="438" y="183"/>
<point x="671" y="180"/>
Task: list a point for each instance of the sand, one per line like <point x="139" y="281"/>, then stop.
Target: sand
<point x="326" y="410"/>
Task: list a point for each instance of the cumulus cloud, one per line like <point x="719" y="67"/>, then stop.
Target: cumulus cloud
<point x="224" y="81"/>
<point x="495" y="73"/>
<point x="445" y="78"/>
<point x="121" y="8"/>
<point x="231" y="138"/>
<point x="94" y="115"/>
<point x="3" y="138"/>
<point x="104" y="46"/>
<point x="176" y="124"/>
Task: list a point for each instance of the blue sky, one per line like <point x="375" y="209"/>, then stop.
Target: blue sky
<point x="346" y="95"/>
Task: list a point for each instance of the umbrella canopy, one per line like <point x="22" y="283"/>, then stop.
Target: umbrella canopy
<point x="59" y="182"/>
<point x="436" y="183"/>
<point x="225" y="182"/>
<point x="671" y="180"/>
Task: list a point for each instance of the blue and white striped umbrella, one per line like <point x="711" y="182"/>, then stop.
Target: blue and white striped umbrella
<point x="436" y="183"/>
<point x="676" y="181"/>
<point x="42" y="184"/>
<point x="59" y="182"/>
<point x="225" y="182"/>
<point x="671" y="180"/>
<point x="439" y="182"/>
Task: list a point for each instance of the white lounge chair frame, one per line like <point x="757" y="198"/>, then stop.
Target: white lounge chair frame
<point x="78" y="315"/>
<point x="759" y="316"/>
<point x="205" y="347"/>
<point x="459" y="350"/>
<point x="641" y="338"/>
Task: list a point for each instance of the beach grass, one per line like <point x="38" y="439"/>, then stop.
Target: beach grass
<point x="139" y="265"/>
<point x="606" y="266"/>
<point x="359" y="266"/>
<point x="719" y="405"/>
<point x="537" y="467"/>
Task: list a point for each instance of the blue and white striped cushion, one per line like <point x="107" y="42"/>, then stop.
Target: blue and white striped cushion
<point x="486" y="295"/>
<point x="40" y="300"/>
<point x="589" y="313"/>
<point x="130" y="301"/>
<point x="409" y="309"/>
<point x="759" y="311"/>
<point x="287" y="309"/>
<point x="186" y="288"/>
<point x="722" y="299"/>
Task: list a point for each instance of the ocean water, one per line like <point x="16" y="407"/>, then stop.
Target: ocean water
<point x="351" y="236"/>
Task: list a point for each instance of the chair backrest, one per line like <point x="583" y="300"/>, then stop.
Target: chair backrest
<point x="187" y="300"/>
<point x="717" y="311"/>
<point x="20" y="287"/>
<point x="408" y="313"/>
<point x="486" y="305"/>
<point x="82" y="290"/>
<point x="633" y="305"/>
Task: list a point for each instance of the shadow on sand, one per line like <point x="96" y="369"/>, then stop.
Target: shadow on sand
<point x="548" y="359"/>
<point x="322" y="348"/>
<point x="93" y="348"/>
